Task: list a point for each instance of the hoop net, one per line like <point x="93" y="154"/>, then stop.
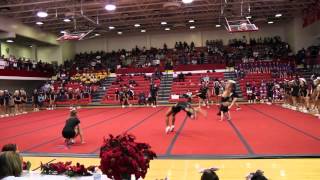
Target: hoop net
<point x="243" y="25"/>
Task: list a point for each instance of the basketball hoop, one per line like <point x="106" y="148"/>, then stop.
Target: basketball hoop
<point x="242" y="25"/>
<point x="74" y="36"/>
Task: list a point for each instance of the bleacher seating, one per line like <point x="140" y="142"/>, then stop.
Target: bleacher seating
<point x="143" y="86"/>
<point x="192" y="83"/>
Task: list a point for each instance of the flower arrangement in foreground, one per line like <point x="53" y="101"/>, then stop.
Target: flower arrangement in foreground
<point x="66" y="168"/>
<point x="121" y="156"/>
<point x="26" y="165"/>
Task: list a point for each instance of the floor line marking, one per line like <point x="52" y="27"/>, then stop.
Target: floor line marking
<point x="171" y="145"/>
<point x="92" y="125"/>
<point x="286" y="124"/>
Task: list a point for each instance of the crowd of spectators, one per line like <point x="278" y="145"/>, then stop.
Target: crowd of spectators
<point x="13" y="63"/>
<point x="276" y="69"/>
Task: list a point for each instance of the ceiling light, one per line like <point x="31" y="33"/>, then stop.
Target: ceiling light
<point x="110" y="7"/>
<point x="143" y="30"/>
<point x="66" y="20"/>
<point x="167" y="29"/>
<point x="192" y="27"/>
<point x="30" y="46"/>
<point x="187" y="1"/>
<point x="39" y="23"/>
<point x="42" y="14"/>
<point x="119" y="32"/>
<point x="249" y="17"/>
<point x="270" y="22"/>
<point x="191" y="21"/>
<point x="163" y="23"/>
<point x="137" y="25"/>
<point x="111" y="27"/>
<point x="10" y="41"/>
<point x="97" y="34"/>
<point x="278" y="15"/>
<point x="63" y="32"/>
<point x="218" y="25"/>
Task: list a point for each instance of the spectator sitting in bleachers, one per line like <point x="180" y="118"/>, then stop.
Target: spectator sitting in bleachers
<point x="181" y="77"/>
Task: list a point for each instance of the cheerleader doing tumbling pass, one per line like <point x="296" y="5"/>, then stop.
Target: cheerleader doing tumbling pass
<point x="181" y="106"/>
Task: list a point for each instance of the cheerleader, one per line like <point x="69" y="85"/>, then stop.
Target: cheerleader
<point x="304" y="95"/>
<point x="72" y="129"/>
<point x="17" y="102"/>
<point x="24" y="100"/>
<point x="225" y="105"/>
<point x="234" y="94"/>
<point x="317" y="96"/>
<point x="249" y="92"/>
<point x="124" y="97"/>
<point x="52" y="99"/>
<point x="204" y="95"/>
<point x="216" y="89"/>
<point x="181" y="106"/>
<point x="2" y="104"/>
<point x="35" y="100"/>
<point x="295" y="93"/>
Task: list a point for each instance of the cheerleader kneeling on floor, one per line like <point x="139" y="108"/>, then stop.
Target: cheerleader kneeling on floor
<point x="72" y="129"/>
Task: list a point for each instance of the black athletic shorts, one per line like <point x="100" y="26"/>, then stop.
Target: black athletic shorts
<point x="68" y="134"/>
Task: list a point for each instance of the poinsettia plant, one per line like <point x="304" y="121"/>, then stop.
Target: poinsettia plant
<point x="122" y="156"/>
<point x="26" y="165"/>
<point x="67" y="169"/>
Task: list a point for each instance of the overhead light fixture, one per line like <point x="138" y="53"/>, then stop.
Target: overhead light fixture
<point x="110" y="7"/>
<point x="192" y="27"/>
<point x="119" y="32"/>
<point x="278" y="15"/>
<point x="42" y="14"/>
<point x="249" y="17"/>
<point x="187" y="1"/>
<point x="218" y="25"/>
<point x="163" y="23"/>
<point x="143" y="30"/>
<point x="10" y="41"/>
<point x="111" y="27"/>
<point x="270" y="22"/>
<point x="97" y="34"/>
<point x="191" y="21"/>
<point x="66" y="20"/>
<point x="63" y="32"/>
<point x="39" y="23"/>
<point x="167" y="29"/>
<point x="30" y="46"/>
<point x="137" y="25"/>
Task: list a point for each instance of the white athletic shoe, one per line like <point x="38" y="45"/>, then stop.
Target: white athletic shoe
<point x="7" y="115"/>
<point x="168" y="129"/>
<point x="238" y="108"/>
<point x="123" y="106"/>
<point x="1" y="116"/>
<point x="171" y="128"/>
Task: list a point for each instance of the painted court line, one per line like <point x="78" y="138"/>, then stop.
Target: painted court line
<point x="286" y="124"/>
<point x="99" y="122"/>
<point x="39" y="129"/>
<point x="134" y="126"/>
<point x="240" y="136"/>
<point x="171" y="145"/>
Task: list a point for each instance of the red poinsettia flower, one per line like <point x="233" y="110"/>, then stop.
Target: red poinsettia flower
<point x="121" y="155"/>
